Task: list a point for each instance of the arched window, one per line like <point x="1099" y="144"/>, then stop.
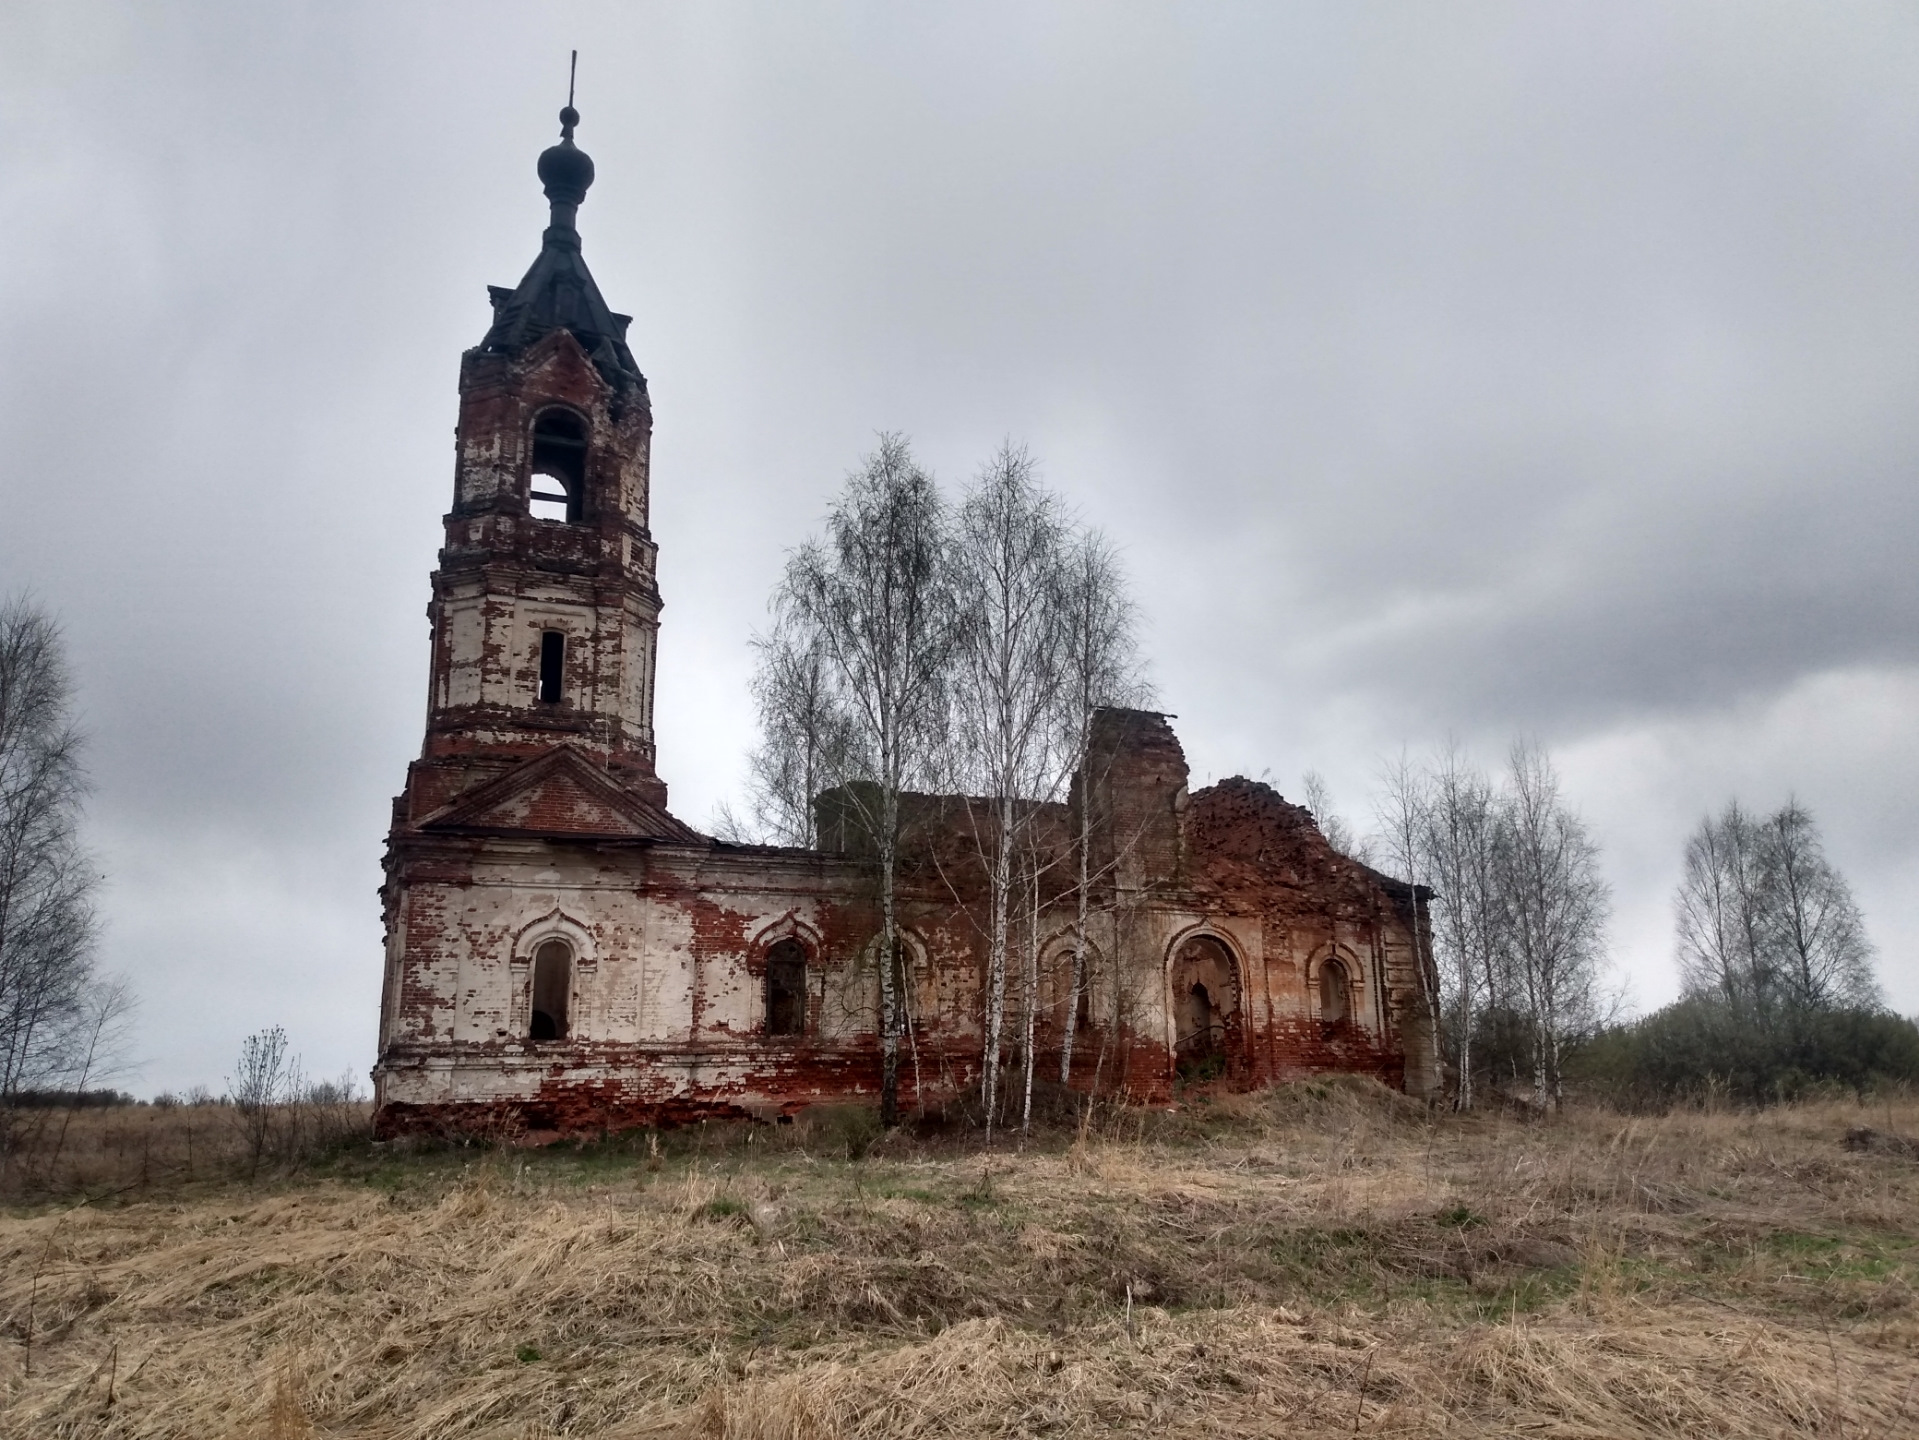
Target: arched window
<point x="552" y="987"/>
<point x="557" y="484"/>
<point x="786" y="988"/>
<point x="1332" y="992"/>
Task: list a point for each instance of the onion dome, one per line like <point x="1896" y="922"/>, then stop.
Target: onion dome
<point x="566" y="170"/>
<point x="558" y="292"/>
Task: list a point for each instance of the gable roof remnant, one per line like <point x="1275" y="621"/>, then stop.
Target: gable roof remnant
<point x="1246" y="825"/>
<point x="558" y="291"/>
<point x="560" y="795"/>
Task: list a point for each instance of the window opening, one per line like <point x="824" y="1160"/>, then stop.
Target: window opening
<point x="552" y="980"/>
<point x="1332" y="992"/>
<point x="557" y="487"/>
<point x="552" y="666"/>
<point x="786" y="988"/>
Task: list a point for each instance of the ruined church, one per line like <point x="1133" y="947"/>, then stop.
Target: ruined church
<point x="563" y="954"/>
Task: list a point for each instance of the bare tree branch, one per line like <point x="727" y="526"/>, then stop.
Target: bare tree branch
<point x="48" y="986"/>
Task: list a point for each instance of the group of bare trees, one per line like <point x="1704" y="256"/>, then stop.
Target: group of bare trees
<point x="1779" y="995"/>
<point x="1519" y="910"/>
<point x="59" y="1018"/>
<point x="922" y="646"/>
<point x="1767" y="924"/>
<point x="1777" y="966"/>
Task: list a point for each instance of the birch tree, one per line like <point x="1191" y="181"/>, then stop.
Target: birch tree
<point x="1766" y="923"/>
<point x="1822" y="957"/>
<point x="48" y="983"/>
<point x="46" y="882"/>
<point x="1720" y="911"/>
<point x="872" y="605"/>
<point x="805" y="739"/>
<point x="1460" y="835"/>
<point x="1556" y="904"/>
<point x="1101" y="667"/>
<point x="1010" y="539"/>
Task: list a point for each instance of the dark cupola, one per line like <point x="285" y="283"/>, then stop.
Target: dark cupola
<point x="558" y="292"/>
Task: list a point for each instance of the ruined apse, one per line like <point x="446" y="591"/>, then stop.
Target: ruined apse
<point x="563" y="954"/>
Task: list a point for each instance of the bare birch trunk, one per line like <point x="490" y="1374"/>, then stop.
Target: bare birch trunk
<point x="889" y="961"/>
<point x="1032" y="999"/>
<point x="996" y="965"/>
<point x="1081" y="898"/>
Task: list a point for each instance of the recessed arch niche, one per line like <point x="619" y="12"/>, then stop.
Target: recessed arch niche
<point x="1206" y="994"/>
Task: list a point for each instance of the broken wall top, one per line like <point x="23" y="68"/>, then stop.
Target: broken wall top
<point x="1244" y="835"/>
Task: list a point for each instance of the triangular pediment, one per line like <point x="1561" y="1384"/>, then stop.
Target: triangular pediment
<point x="557" y="359"/>
<point x="559" y="794"/>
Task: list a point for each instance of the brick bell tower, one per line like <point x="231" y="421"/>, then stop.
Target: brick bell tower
<point x="545" y="612"/>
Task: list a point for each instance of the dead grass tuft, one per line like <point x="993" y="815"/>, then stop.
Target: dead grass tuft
<point x="156" y="1149"/>
<point x="1318" y="1261"/>
<point x="286" y="1413"/>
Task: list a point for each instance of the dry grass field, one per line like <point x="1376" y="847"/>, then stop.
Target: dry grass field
<point x="1319" y="1261"/>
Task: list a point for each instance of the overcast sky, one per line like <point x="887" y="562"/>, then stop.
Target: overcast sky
<point x="1475" y="370"/>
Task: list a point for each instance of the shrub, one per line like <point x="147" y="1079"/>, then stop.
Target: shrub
<point x="1703" y="1046"/>
<point x="849" y="1129"/>
<point x="68" y="1099"/>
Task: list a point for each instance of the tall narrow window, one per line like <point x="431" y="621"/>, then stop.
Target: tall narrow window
<point x="786" y="989"/>
<point x="1332" y="992"/>
<point x="552" y="984"/>
<point x="552" y="666"/>
<point x="556" y="485"/>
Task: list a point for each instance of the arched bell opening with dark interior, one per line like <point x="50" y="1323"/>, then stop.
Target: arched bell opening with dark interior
<point x="556" y="484"/>
<point x="1205" y="994"/>
<point x="1335" y="994"/>
<point x="552" y="990"/>
<point x="786" y="988"/>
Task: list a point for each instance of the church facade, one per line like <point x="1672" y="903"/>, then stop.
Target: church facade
<point x="564" y="955"/>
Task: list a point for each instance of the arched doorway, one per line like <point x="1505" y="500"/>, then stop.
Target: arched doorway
<point x="1206" y="1005"/>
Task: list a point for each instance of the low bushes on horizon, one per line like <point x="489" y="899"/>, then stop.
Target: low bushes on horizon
<point x="1703" y="1046"/>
